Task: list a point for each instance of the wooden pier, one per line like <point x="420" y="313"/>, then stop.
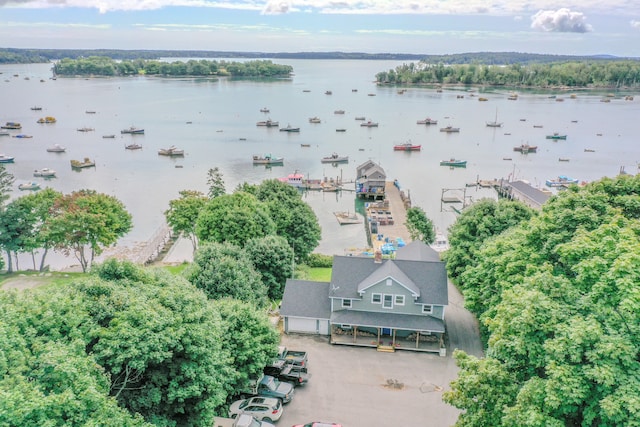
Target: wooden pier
<point x="389" y="216"/>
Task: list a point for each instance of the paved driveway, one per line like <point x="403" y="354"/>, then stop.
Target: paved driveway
<point x="350" y="385"/>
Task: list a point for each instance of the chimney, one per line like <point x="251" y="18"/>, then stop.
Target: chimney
<point x="377" y="257"/>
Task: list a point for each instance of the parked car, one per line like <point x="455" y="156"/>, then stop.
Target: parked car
<point x="261" y="408"/>
<point x="293" y="357"/>
<point x="287" y="372"/>
<point x="243" y="420"/>
<point x="268" y="386"/>
<point x="318" y="424"/>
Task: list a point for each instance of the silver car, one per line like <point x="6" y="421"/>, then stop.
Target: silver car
<point x="261" y="408"/>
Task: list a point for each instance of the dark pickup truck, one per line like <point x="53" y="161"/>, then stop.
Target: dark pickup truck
<point x="293" y="357"/>
<point x="287" y="372"/>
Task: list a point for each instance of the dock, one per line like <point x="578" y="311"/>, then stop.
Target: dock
<point x="386" y="219"/>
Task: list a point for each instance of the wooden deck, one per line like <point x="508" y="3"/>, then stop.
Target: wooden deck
<point x="394" y="216"/>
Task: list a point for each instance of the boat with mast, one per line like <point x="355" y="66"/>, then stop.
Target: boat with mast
<point x="495" y="123"/>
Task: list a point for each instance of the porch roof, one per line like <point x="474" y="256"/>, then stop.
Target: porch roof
<point x="388" y="320"/>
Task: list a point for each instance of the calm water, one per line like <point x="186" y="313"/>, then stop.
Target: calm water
<point x="214" y="122"/>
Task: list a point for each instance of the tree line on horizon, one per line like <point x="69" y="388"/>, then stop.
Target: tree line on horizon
<point x="15" y="55"/>
<point x="575" y="74"/>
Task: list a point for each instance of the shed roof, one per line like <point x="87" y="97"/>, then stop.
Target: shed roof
<point x="304" y="298"/>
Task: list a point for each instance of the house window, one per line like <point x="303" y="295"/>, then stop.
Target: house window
<point x="346" y="327"/>
<point x="376" y="298"/>
<point x="388" y="301"/>
<point x="399" y="300"/>
<point x="427" y="309"/>
<point x="346" y="303"/>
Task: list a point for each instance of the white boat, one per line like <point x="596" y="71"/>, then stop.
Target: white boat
<point x="289" y="128"/>
<point x="561" y="181"/>
<point x="369" y="124"/>
<point x="314" y="120"/>
<point x="133" y="131"/>
<point x="29" y="186"/>
<point x="171" y="152"/>
<point x="133" y="146"/>
<point x="57" y="148"/>
<point x="6" y="159"/>
<point x="45" y="173"/>
<point x="449" y="129"/>
<point x="268" y="123"/>
<point x="495" y="123"/>
<point x="335" y="158"/>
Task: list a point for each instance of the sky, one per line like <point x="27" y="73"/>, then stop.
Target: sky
<point x="432" y="27"/>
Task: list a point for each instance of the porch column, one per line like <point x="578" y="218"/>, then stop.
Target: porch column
<point x="355" y="334"/>
<point x="417" y="339"/>
<point x="378" y="342"/>
<point x="393" y="339"/>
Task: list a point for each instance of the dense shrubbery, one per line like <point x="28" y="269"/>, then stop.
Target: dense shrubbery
<point x="320" y="260"/>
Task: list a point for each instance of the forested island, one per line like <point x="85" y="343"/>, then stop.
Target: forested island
<point x="103" y="66"/>
<point x="573" y="74"/>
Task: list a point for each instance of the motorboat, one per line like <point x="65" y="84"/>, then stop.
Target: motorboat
<point x="171" y="152"/>
<point x="335" y="158"/>
<point x="407" y="146"/>
<point x="80" y="164"/>
<point x="44" y="172"/>
<point x="56" y="148"/>
<point x="454" y="163"/>
<point x="268" y="159"/>
<point x="289" y="128"/>
<point x="133" y="131"/>
<point x="268" y="123"/>
<point x="6" y="159"/>
<point x="29" y="186"/>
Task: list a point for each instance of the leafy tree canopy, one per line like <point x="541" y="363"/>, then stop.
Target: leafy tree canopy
<point x="183" y="214"/>
<point x="420" y="226"/>
<point x="234" y="218"/>
<point x="272" y="257"/>
<point x="224" y="270"/>
<point x="559" y="298"/>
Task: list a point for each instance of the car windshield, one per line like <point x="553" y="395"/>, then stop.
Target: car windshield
<point x="272" y="384"/>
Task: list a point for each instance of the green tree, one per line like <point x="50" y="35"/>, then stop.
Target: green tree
<point x="294" y="219"/>
<point x="183" y="214"/>
<point x="224" y="270"/>
<point x="272" y="257"/>
<point x="158" y="338"/>
<point x="87" y="219"/>
<point x="420" y="226"/>
<point x="480" y="221"/>
<point x="215" y="183"/>
<point x="234" y="218"/>
<point x="249" y="337"/>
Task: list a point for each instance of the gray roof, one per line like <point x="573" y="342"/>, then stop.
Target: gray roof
<point x="417" y="251"/>
<point x="539" y="197"/>
<point x="388" y="320"/>
<point x="388" y="269"/>
<point x="429" y="277"/>
<point x="304" y="298"/>
<point x="369" y="167"/>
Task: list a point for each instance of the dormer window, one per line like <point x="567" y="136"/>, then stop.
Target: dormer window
<point x="346" y="303"/>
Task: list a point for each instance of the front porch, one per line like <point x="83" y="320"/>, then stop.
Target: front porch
<point x="386" y="339"/>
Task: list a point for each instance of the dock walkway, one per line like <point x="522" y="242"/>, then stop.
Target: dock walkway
<point x="395" y="207"/>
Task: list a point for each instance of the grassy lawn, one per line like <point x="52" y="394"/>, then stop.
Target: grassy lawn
<point x="53" y="278"/>
<point x="320" y="274"/>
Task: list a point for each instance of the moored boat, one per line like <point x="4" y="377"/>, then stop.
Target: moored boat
<point x="133" y="146"/>
<point x="335" y="158"/>
<point x="495" y="123"/>
<point x="449" y="129"/>
<point x="454" y="163"/>
<point x="11" y="125"/>
<point x="369" y="124"/>
<point x="6" y="159"/>
<point x="361" y="118"/>
<point x="556" y="135"/>
<point x="22" y="135"/>
<point x="85" y="129"/>
<point x="29" y="186"/>
<point x="407" y="146"/>
<point x="45" y="173"/>
<point x="289" y="128"/>
<point x="268" y="123"/>
<point x="526" y="148"/>
<point x="561" y="181"/>
<point x="56" y="148"/>
<point x="36" y="108"/>
<point x="264" y="110"/>
<point x="80" y="164"/>
<point x="338" y="112"/>
<point x="427" y="121"/>
<point x="341" y="130"/>
<point x="109" y="136"/>
<point x="314" y="120"/>
<point x="295" y="179"/>
<point x="268" y="159"/>
<point x="47" y="119"/>
<point x="133" y="131"/>
<point x="172" y="151"/>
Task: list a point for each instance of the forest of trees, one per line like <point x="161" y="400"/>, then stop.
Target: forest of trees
<point x="104" y="66"/>
<point x="557" y="293"/>
<point x="575" y="74"/>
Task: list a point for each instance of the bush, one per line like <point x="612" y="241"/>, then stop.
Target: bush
<point x="320" y="260"/>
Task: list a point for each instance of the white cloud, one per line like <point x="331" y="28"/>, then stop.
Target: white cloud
<point x="276" y="7"/>
<point x="635" y="24"/>
<point x="561" y="20"/>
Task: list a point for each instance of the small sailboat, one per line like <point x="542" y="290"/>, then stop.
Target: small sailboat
<point x="495" y="123"/>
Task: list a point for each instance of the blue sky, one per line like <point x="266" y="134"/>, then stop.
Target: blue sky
<point x="576" y="27"/>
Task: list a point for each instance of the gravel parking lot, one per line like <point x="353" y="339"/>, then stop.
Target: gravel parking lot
<point x="350" y="385"/>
